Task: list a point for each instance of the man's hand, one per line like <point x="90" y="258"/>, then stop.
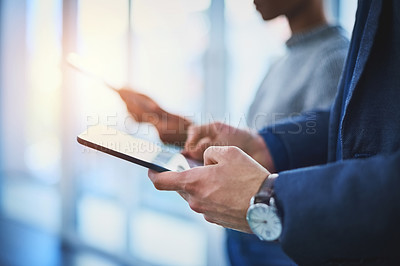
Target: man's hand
<point x="219" y="134"/>
<point x="171" y="128"/>
<point x="221" y="190"/>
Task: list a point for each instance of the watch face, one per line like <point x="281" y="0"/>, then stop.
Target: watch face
<point x="264" y="222"/>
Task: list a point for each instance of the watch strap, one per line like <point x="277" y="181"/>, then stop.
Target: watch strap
<point x="266" y="191"/>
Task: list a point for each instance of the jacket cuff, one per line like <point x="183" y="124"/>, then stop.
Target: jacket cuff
<point x="277" y="150"/>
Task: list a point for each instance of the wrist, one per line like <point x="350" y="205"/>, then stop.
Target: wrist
<point x="259" y="151"/>
<point x="262" y="215"/>
<point x="266" y="190"/>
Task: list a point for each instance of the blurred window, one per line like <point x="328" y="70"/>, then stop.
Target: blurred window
<point x="191" y="56"/>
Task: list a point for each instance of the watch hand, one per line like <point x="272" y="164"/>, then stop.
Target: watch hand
<point x="259" y="220"/>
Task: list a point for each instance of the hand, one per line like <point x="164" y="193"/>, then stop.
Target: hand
<point x="171" y="128"/>
<point x="219" y="134"/>
<point x="140" y="106"/>
<point x="221" y="190"/>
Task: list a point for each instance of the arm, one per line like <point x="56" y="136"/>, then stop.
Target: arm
<point x="278" y="147"/>
<point x="288" y="140"/>
<point x="348" y="209"/>
<point x="219" y="134"/>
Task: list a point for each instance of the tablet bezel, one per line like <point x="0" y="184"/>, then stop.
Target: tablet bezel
<point x="122" y="156"/>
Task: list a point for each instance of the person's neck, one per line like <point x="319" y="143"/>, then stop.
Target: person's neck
<point x="311" y="16"/>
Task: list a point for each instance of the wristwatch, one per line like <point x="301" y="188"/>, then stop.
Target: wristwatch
<point x="262" y="215"/>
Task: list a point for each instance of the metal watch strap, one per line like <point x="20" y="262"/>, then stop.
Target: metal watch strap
<point x="266" y="191"/>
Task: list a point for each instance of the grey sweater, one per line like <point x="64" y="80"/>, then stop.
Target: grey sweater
<point x="305" y="78"/>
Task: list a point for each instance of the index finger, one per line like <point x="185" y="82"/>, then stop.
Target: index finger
<point x="195" y="134"/>
<point x="171" y="181"/>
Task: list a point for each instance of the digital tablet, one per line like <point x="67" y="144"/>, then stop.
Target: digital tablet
<point x="134" y="149"/>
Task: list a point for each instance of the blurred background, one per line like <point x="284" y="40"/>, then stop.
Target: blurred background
<point x="61" y="204"/>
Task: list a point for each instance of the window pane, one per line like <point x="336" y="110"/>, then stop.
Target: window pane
<point x="347" y="15"/>
<point x="30" y="135"/>
<point x="169" y="41"/>
<point x="43" y="150"/>
<point x="92" y="260"/>
<point x="102" y="223"/>
<point x="165" y="240"/>
<point x="20" y="195"/>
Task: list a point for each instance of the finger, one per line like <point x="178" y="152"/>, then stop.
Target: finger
<point x="125" y="91"/>
<point x="127" y="95"/>
<point x="169" y="180"/>
<point x="193" y="136"/>
<point x="196" y="133"/>
<point x="202" y="145"/>
<point x="216" y="154"/>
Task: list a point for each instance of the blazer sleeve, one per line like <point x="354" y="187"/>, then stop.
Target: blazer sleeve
<point x="287" y="141"/>
<point x="347" y="209"/>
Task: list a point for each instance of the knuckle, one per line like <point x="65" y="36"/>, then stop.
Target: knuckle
<point x="211" y="148"/>
<point x="186" y="183"/>
<point x="218" y="124"/>
<point x="233" y="150"/>
<point x="196" y="206"/>
<point x="208" y="150"/>
<point x="190" y="188"/>
<point x="219" y="127"/>
<point x="191" y="128"/>
<point x="192" y="131"/>
<point x="202" y="148"/>
<point x="209" y="219"/>
<point x="157" y="184"/>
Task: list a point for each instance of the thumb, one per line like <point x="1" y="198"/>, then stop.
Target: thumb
<point x="216" y="154"/>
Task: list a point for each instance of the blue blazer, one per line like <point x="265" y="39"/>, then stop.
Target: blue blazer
<point x="339" y="186"/>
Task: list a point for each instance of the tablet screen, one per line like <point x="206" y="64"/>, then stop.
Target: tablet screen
<point x="134" y="149"/>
